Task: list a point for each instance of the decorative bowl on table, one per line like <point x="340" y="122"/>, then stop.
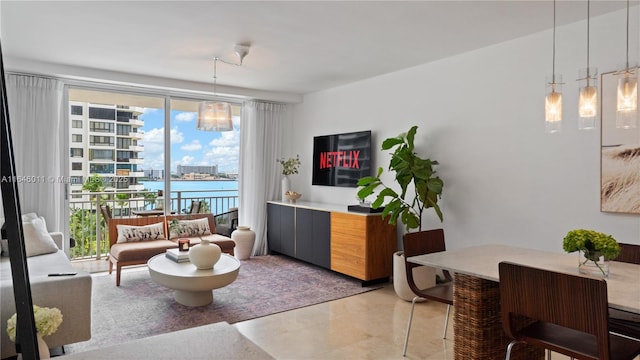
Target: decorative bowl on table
<point x="292" y="196"/>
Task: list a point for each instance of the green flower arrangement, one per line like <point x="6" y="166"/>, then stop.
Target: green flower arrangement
<point x="593" y="244"/>
<point x="290" y="166"/>
<point x="47" y="321"/>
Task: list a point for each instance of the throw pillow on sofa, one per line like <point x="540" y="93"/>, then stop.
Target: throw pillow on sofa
<point x="130" y="233"/>
<point x="189" y="228"/>
<point x="37" y="240"/>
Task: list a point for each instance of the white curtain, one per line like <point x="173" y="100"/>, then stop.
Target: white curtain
<point x="260" y="138"/>
<point x="35" y="111"/>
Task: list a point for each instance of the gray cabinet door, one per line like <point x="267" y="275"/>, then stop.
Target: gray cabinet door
<point x="280" y="229"/>
<point x="313" y="236"/>
<point x="273" y="227"/>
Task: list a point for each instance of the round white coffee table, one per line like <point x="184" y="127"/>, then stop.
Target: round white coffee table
<point x="193" y="287"/>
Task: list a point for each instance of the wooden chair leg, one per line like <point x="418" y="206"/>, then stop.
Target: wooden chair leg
<point x="110" y="266"/>
<point x="118" y="270"/>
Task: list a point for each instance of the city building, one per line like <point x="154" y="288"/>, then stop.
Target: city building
<point x="197" y="169"/>
<point x="103" y="140"/>
<point x="153" y="173"/>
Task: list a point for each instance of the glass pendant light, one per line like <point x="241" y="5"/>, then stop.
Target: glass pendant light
<point x="553" y="99"/>
<point x="588" y="93"/>
<point x="214" y="115"/>
<point x="627" y="94"/>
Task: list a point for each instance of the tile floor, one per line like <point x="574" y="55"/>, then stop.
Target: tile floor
<point x="367" y="326"/>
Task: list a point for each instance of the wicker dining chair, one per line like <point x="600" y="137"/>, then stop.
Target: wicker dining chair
<point x="426" y="242"/>
<point x="559" y="312"/>
<point x="620" y="321"/>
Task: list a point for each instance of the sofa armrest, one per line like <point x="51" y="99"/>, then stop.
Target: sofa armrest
<point x="58" y="238"/>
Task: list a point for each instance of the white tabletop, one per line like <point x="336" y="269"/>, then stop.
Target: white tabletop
<point x="161" y="264"/>
<point x="623" y="283"/>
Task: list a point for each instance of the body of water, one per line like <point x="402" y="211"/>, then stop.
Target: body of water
<point x="224" y="190"/>
<point x="228" y="187"/>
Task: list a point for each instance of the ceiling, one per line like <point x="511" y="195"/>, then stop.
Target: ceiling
<point x="297" y="47"/>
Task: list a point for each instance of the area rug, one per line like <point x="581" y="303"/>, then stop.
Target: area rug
<point x="265" y="285"/>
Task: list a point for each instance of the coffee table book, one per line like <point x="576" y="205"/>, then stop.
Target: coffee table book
<point x="177" y="255"/>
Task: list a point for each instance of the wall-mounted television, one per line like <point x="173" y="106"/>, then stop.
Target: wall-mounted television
<point x="341" y="159"/>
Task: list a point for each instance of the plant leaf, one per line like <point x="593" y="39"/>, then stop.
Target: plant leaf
<point x="410" y="136"/>
<point x="391" y="142"/>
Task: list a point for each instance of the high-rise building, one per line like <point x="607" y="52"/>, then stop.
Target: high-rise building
<point x="197" y="169"/>
<point x="154" y="174"/>
<point x="104" y="141"/>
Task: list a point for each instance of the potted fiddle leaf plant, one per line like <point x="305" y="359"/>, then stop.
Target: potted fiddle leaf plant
<point x="411" y="203"/>
<point x="420" y="190"/>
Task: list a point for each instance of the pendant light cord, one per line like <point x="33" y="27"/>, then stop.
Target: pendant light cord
<point x="627" y="64"/>
<point x="215" y="74"/>
<point x="588" y="33"/>
<point x="553" y="67"/>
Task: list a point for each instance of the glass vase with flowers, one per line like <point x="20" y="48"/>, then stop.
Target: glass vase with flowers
<point x="595" y="250"/>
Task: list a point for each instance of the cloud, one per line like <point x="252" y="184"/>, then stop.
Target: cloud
<point x="227" y="138"/>
<point x="223" y="151"/>
<point x="226" y="157"/>
<point x="185" y="116"/>
<point x="153" y="142"/>
<point x="149" y="110"/>
<point x="186" y="160"/>
<point x="194" y="146"/>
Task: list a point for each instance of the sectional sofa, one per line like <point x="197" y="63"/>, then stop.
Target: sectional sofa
<point x="71" y="294"/>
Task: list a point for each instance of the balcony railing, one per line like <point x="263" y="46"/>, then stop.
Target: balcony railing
<point x="87" y="226"/>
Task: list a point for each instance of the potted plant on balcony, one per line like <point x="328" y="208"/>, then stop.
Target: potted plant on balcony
<point x="420" y="190"/>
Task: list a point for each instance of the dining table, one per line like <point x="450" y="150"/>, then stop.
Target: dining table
<point x="478" y="330"/>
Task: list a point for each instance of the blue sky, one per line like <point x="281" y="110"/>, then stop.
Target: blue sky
<point x="189" y="146"/>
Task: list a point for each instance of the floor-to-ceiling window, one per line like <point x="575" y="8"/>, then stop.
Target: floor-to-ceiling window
<point x="204" y="164"/>
<point x="133" y="151"/>
<point x="109" y="133"/>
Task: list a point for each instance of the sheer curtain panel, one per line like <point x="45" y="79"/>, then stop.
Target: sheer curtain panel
<point x="259" y="182"/>
<point x="35" y="108"/>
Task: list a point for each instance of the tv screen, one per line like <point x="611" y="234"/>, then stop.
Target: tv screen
<point x="341" y="159"/>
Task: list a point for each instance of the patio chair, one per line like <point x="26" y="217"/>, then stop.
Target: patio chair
<point x="559" y="312"/>
<point x="196" y="206"/>
<point x="106" y="213"/>
<point x="226" y="222"/>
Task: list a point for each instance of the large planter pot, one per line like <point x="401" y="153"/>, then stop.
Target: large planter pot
<point x="244" y="238"/>
<point x="424" y="276"/>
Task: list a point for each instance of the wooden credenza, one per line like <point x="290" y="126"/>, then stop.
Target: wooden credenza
<point x="355" y="244"/>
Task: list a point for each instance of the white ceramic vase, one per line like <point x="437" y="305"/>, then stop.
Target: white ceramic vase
<point x="244" y="238"/>
<point x="286" y="185"/>
<point x="204" y="255"/>
<point x="43" y="348"/>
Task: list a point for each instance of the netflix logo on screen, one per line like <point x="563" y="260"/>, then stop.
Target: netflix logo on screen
<point x="341" y="159"/>
<point x="345" y="159"/>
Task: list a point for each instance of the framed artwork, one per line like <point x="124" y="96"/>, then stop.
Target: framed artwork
<point x="620" y="155"/>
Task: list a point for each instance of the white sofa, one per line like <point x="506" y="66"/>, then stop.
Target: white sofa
<point x="70" y="294"/>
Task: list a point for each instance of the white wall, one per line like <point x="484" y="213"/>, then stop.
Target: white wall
<point x="480" y="115"/>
